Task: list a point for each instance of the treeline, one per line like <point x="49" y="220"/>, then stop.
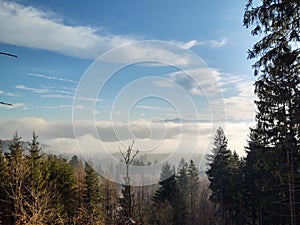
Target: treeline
<point x="44" y="189"/>
<point x="37" y="188"/>
<point x="249" y="190"/>
<point x="271" y="174"/>
<point x="181" y="197"/>
<point x="264" y="187"/>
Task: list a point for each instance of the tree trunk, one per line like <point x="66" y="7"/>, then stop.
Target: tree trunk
<point x="291" y="188"/>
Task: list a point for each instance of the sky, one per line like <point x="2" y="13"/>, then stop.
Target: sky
<point x="92" y="76"/>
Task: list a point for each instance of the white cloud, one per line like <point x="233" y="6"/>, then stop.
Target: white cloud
<point x="214" y="43"/>
<point x="164" y="84"/>
<point x="47" y="92"/>
<point x="189" y="44"/>
<point x="237" y="134"/>
<point x="246" y="89"/>
<point x="89" y="99"/>
<point x="42" y="90"/>
<point x="57" y="96"/>
<point x="151" y="53"/>
<point x="14" y="106"/>
<point x="71" y="89"/>
<point x="153" y="137"/>
<point x="58" y="138"/>
<point x="51" y="77"/>
<point x="208" y="43"/>
<point x="31" y="27"/>
<point x="77" y="107"/>
<point x="199" y="81"/>
<point x="149" y="107"/>
<point x="26" y="125"/>
<point x="241" y="106"/>
<point x="8" y="94"/>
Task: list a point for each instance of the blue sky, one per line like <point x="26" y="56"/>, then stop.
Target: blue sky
<point x="56" y="42"/>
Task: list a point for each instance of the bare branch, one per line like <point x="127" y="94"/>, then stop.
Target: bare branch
<point x="4" y="103"/>
<point x="8" y="54"/>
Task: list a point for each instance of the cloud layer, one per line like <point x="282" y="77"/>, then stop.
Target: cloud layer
<point x="239" y="103"/>
<point x="51" y="78"/>
<point x="26" y="26"/>
<point x="153" y="137"/>
<point x="210" y="43"/>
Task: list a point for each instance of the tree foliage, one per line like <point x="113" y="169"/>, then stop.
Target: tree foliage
<point x="277" y="89"/>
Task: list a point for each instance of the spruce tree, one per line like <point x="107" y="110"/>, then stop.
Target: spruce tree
<point x="93" y="197"/>
<point x="236" y="209"/>
<point x="182" y="181"/>
<point x="255" y="181"/>
<point x="219" y="140"/>
<point x="193" y="178"/>
<point x="74" y="162"/>
<point x="36" y="177"/>
<point x="16" y="149"/>
<point x="278" y="22"/>
<point x="38" y="197"/>
<point x="166" y="196"/>
<point x="167" y="184"/>
<point x="218" y="174"/>
<point x="277" y="89"/>
<point x="62" y="185"/>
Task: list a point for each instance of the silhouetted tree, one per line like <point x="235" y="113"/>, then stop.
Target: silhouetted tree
<point x="278" y="90"/>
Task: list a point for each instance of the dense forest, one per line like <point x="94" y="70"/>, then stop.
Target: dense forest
<point x="261" y="188"/>
<point x="37" y="188"/>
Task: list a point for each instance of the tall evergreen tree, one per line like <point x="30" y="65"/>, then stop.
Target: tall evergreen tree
<point x="219" y="141"/>
<point x="62" y="185"/>
<point x="74" y="162"/>
<point x="218" y="173"/>
<point x="205" y="207"/>
<point x="38" y="197"/>
<point x="236" y="209"/>
<point x="255" y="181"/>
<point x="193" y="175"/>
<point x="165" y="196"/>
<point x="16" y="150"/>
<point x="93" y="197"/>
<point x="278" y="91"/>
<point x="36" y="178"/>
<point x="167" y="184"/>
<point x="183" y="192"/>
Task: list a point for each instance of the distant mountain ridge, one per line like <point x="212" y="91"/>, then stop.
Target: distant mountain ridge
<point x="179" y="120"/>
